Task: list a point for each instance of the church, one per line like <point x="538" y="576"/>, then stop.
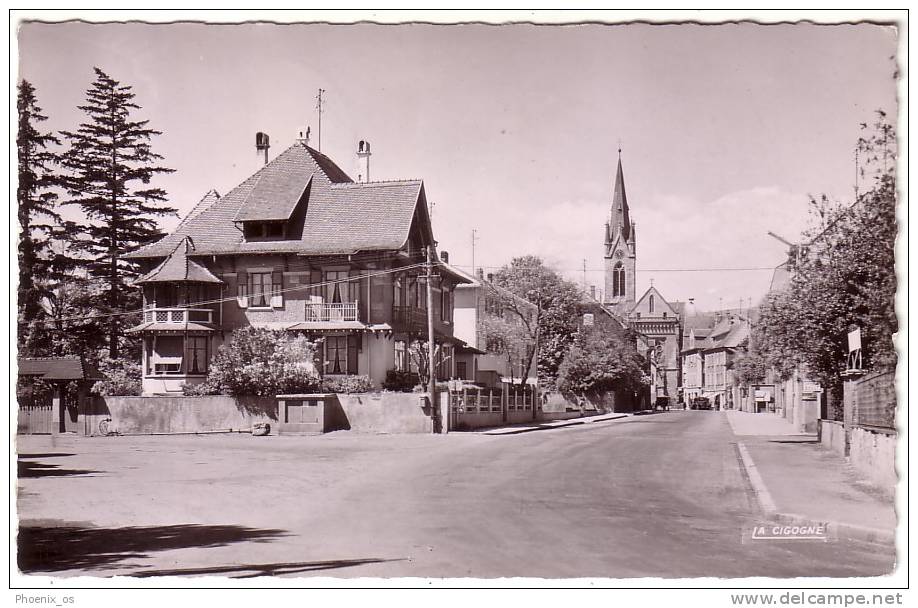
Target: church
<point x="651" y="315"/>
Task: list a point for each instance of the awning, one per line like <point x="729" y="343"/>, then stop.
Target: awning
<point x="178" y="328"/>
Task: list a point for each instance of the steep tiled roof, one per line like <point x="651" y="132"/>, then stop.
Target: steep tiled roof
<point x="209" y="199"/>
<point x="178" y="267"/>
<point x="275" y="195"/>
<point x="52" y="368"/>
<point x="341" y="216"/>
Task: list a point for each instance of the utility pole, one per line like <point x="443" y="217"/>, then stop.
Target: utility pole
<point x="584" y="276"/>
<point x="319" y="129"/>
<point x="473" y="250"/>
<point x="431" y="379"/>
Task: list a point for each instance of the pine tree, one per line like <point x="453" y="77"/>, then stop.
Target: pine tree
<point x="37" y="207"/>
<point x="111" y="165"/>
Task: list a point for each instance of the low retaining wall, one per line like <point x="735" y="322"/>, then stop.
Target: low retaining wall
<point x="873" y="453"/>
<point x="178" y="414"/>
<point x="832" y="435"/>
<point x="386" y="412"/>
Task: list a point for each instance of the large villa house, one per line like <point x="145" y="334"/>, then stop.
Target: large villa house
<point x="300" y="247"/>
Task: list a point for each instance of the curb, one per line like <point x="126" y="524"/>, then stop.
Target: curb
<point x="767" y="504"/>
<point x="554" y="424"/>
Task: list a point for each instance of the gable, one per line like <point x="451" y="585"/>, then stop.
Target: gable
<point x="653" y="298"/>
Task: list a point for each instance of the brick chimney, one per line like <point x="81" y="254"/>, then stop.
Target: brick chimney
<point x="363" y="161"/>
<point x="444" y="257"/>
<point x="302" y="136"/>
<point x="262" y="144"/>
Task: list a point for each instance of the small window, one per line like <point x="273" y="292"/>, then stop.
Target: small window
<point x="650" y="304"/>
<point x="260" y="289"/>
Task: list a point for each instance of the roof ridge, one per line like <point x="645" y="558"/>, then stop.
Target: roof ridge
<point x="413" y="180"/>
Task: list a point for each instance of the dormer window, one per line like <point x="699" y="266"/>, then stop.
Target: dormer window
<point x="254" y="231"/>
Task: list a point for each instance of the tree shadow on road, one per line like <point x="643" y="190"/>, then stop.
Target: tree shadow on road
<point x="27" y="469"/>
<point x="255" y="570"/>
<point x="52" y="548"/>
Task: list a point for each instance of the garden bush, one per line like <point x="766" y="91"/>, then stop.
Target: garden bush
<point x="347" y="384"/>
<point x="261" y="362"/>
<point x="120" y="377"/>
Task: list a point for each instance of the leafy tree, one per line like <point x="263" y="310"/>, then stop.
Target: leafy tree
<point x="600" y="361"/>
<point x="37" y="207"/>
<point x="111" y="165"/>
<point x="262" y="362"/>
<point x="525" y="282"/>
<point x="842" y="277"/>
<point x="511" y="339"/>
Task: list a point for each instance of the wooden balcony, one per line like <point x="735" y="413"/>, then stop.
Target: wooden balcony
<point x="178" y="315"/>
<point x="409" y="318"/>
<point x="331" y="311"/>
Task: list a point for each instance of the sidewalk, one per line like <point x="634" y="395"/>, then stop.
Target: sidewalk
<point x="527" y="427"/>
<point x="771" y="425"/>
<point x="796" y="480"/>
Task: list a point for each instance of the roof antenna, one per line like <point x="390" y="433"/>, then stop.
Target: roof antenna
<point x="319" y="128"/>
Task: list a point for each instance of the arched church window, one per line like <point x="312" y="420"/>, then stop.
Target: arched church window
<point x="650" y="304"/>
<point x="618" y="280"/>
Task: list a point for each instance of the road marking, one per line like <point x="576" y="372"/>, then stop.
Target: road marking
<point x="758" y="485"/>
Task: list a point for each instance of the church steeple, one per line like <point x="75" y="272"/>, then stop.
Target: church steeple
<point x="620" y="250"/>
<point x="620" y="220"/>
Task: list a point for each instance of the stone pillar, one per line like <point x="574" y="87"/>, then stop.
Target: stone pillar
<point x="57" y="410"/>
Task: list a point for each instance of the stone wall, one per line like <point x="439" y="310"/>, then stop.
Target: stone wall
<point x="386" y="413"/>
<point x="832" y="436"/>
<point x="177" y="414"/>
<point x="873" y="454"/>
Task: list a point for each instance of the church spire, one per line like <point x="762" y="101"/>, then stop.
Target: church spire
<point x="621" y="218"/>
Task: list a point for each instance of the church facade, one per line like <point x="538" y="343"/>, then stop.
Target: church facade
<point x="651" y="315"/>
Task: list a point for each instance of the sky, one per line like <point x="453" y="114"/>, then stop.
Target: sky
<point x="724" y="130"/>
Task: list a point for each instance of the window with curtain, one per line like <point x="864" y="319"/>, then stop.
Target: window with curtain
<point x="196" y="354"/>
<point x="336" y="354"/>
<point x="260" y="286"/>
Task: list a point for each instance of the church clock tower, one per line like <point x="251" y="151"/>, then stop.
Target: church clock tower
<point x="620" y="249"/>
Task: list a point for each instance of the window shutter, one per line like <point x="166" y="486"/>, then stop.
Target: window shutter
<point x="277" y="287"/>
<point x="353" y="345"/>
<point x="242" y="289"/>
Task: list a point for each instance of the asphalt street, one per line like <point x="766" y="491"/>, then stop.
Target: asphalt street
<point x="661" y="495"/>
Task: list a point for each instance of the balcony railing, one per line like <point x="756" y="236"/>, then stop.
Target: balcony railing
<point x="178" y="315"/>
<point x="334" y="311"/>
<point x="409" y="318"/>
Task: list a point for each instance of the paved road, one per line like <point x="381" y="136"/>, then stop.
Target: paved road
<point x="660" y="495"/>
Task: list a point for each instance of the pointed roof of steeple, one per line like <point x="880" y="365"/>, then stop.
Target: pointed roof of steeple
<point x="621" y="218"/>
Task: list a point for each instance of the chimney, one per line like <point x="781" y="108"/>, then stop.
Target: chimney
<point x="481" y="274"/>
<point x="363" y="161"/>
<point x="444" y="257"/>
<point x="490" y="277"/>
<point x="262" y="144"/>
<point x="302" y="136"/>
<point x="593" y="291"/>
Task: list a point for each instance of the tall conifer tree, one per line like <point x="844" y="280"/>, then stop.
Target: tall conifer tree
<point x="111" y="165"/>
<point x="37" y="207"/>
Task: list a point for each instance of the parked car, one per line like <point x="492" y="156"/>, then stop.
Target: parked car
<point x="701" y="403"/>
<point x="662" y="404"/>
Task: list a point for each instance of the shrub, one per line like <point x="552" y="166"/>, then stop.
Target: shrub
<point x="262" y="362"/>
<point x="120" y="377"/>
<point x="400" y="382"/>
<point x="202" y="389"/>
<point x="347" y="384"/>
